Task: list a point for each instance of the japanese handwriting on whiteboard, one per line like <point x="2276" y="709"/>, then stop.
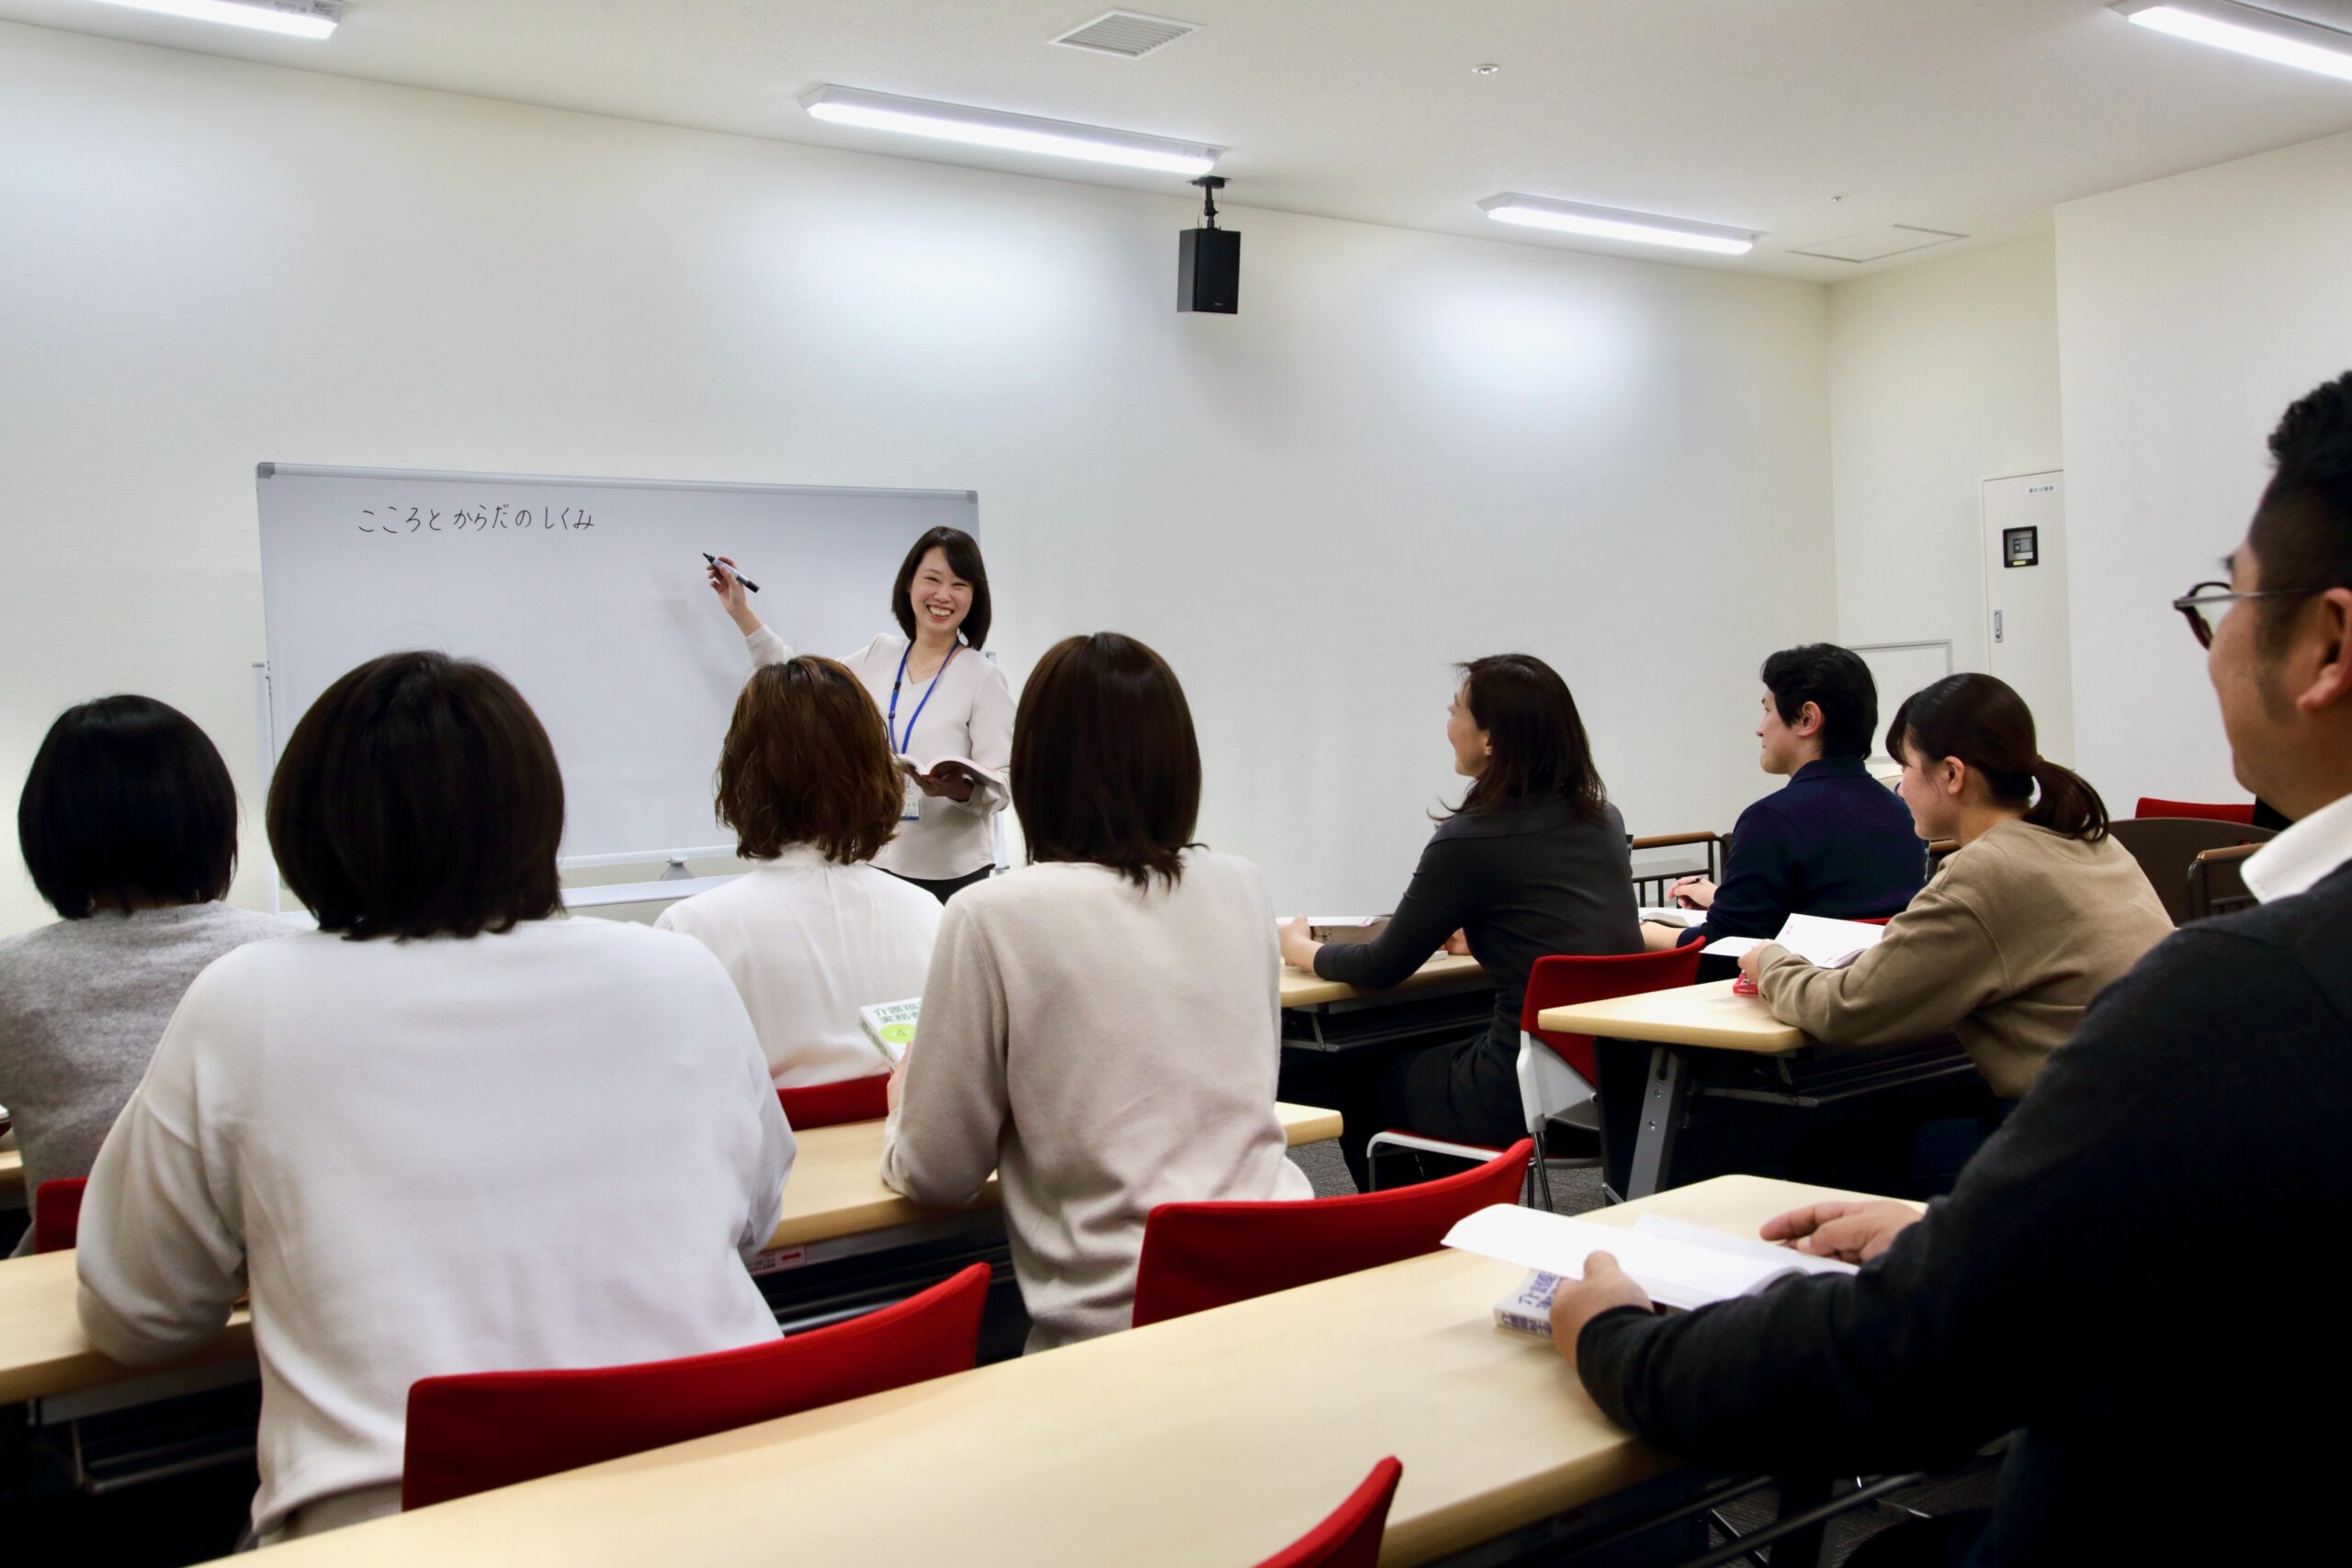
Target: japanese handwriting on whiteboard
<point x="398" y="521"/>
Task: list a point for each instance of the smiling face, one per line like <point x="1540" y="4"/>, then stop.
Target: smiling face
<point x="939" y="598"/>
<point x="1471" y="744"/>
<point x="1933" y="788"/>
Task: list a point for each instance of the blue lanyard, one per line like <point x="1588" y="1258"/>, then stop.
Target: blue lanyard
<point x="891" y="724"/>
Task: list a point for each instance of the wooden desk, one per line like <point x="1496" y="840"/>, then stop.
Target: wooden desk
<point x="835" y="1190"/>
<point x="1445" y="970"/>
<point x="1176" y="1444"/>
<point x="1706" y="1015"/>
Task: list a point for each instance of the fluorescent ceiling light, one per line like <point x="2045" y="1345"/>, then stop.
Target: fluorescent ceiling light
<point x="1021" y="132"/>
<point x="2247" y="29"/>
<point x="298" y="18"/>
<point x="1611" y="224"/>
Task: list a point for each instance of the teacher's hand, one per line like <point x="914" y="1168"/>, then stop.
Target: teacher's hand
<point x="731" y="597"/>
<point x="1299" y="945"/>
<point x="945" y="783"/>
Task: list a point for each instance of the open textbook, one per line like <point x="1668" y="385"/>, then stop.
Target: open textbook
<point x="1672" y="915"/>
<point x="954" y="767"/>
<point x="1823" y="943"/>
<point x="1680" y="1265"/>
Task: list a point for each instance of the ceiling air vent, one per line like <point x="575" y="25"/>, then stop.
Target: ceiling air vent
<point x="1877" y="245"/>
<point x="1130" y="35"/>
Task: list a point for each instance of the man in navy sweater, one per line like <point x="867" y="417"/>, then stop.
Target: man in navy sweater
<point x="1833" y="842"/>
<point x="2130" y="1274"/>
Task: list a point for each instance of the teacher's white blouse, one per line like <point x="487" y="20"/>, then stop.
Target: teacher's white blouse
<point x="970" y="715"/>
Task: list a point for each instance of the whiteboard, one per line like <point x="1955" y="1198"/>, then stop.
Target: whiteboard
<point x="590" y="595"/>
<point x="1899" y="669"/>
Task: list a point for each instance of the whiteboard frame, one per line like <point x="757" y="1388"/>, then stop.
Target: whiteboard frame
<point x="1859" y="648"/>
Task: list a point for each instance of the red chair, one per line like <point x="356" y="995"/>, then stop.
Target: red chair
<point x="2151" y="806"/>
<point x="824" y="1104"/>
<point x="469" y="1434"/>
<point x="57" y="1214"/>
<point x="1351" y="1537"/>
<point x="1198" y="1256"/>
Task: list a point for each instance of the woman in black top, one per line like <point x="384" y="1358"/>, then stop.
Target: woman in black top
<point x="1534" y="864"/>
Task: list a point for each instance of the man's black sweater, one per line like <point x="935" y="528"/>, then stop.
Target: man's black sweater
<point x="2131" y="1275"/>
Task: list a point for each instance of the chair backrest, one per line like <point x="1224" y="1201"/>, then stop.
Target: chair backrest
<point x="1563" y="981"/>
<point x="469" y="1434"/>
<point x="57" y="1214"/>
<point x="826" y="1104"/>
<point x="1197" y="1256"/>
<point x="2150" y="806"/>
<point x="1349" y="1538"/>
<point x="2217" y="881"/>
<point x="2167" y="847"/>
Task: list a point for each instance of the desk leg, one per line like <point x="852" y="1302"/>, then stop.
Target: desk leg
<point x="1665" y="1096"/>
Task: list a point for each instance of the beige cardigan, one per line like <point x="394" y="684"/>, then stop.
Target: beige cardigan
<point x="2004" y="947"/>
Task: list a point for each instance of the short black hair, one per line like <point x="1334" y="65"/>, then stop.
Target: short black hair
<point x="419" y="797"/>
<point x="1833" y="680"/>
<point x="2303" y="531"/>
<point x="1106" y="767"/>
<point x="127" y="802"/>
<point x="964" y="560"/>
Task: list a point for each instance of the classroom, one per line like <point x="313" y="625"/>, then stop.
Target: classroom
<point x="1630" y="851"/>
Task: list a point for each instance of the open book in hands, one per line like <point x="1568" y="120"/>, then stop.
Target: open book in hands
<point x="1823" y="943"/>
<point x="1680" y="1265"/>
<point x="891" y="1026"/>
<point x="950" y="768"/>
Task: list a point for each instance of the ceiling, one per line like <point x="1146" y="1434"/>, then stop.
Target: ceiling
<point x="1808" y="120"/>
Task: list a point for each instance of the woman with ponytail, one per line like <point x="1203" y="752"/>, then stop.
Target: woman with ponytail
<point x="2036" y="913"/>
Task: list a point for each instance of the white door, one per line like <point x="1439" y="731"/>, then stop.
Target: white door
<point x="2025" y="602"/>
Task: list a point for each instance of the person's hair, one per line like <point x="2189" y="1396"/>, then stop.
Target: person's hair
<point x="127" y="802"/>
<point x="1106" y="766"/>
<point x="1982" y="721"/>
<point x="804" y="762"/>
<point x="964" y="560"/>
<point x="419" y="797"/>
<point x="1835" y="681"/>
<point x="2303" y="531"/>
<point x="1540" y="750"/>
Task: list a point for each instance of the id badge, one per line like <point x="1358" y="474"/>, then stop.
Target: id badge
<point x="910" y="807"/>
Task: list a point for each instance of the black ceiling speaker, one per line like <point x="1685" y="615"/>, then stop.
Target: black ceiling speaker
<point x="1208" y="259"/>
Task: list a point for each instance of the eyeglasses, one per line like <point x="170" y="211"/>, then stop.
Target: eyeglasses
<point x="2192" y="603"/>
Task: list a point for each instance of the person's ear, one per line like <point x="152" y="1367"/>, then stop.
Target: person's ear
<point x="1808" y="724"/>
<point x="2331" y="682"/>
<point x="1951" y="776"/>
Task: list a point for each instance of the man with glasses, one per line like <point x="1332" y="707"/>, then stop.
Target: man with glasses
<point x="2129" y="1275"/>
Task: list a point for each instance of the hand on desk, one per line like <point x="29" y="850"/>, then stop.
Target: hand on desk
<point x="1855" y="1232"/>
<point x="1577" y="1302"/>
<point x="1456" y="944"/>
<point x="1751" y="962"/>
<point x="1692" y="893"/>
<point x="1298" y="943"/>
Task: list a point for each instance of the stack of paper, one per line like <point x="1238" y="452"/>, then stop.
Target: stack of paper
<point x="1680" y="1265"/>
<point x="1823" y="943"/>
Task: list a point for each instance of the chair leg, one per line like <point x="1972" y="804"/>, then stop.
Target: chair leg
<point x="1544" y="1181"/>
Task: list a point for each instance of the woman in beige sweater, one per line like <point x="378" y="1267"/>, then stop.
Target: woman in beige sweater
<point x="1101" y="1027"/>
<point x="2036" y="913"/>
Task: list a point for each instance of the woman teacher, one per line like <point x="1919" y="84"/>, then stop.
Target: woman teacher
<point x="938" y="698"/>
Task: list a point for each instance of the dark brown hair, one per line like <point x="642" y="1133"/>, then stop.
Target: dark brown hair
<point x="1106" y="766"/>
<point x="2301" y="533"/>
<point x="1981" y="721"/>
<point x="1540" y="750"/>
<point x="804" y="762"/>
<point x="1833" y="680"/>
<point x="419" y="797"/>
<point x="964" y="560"/>
<point x="127" y="802"/>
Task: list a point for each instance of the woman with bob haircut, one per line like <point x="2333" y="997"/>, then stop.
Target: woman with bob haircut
<point x="939" y="699"/>
<point x="1100" y="1027"/>
<point x="128" y="824"/>
<point x="1533" y="862"/>
<point x="398" y="1129"/>
<point x="2037" y="912"/>
<point x="812" y="931"/>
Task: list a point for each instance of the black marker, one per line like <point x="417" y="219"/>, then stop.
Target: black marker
<point x="732" y="572"/>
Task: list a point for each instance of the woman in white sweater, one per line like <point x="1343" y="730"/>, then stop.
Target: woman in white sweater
<point x="1102" y="1028"/>
<point x="812" y="932"/>
<point x="400" y="1130"/>
<point x="939" y="699"/>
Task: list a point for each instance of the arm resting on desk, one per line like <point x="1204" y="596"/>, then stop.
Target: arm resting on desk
<point x="940" y="1143"/>
<point x="1936" y="964"/>
<point x="1436" y="904"/>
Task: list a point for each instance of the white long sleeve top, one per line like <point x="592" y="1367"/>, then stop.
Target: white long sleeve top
<point x="808" y="942"/>
<point x="549" y="1148"/>
<point x="970" y="715"/>
<point x="1103" y="1049"/>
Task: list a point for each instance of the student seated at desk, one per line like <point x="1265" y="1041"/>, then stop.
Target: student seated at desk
<point x="2037" y="912"/>
<point x="1101" y="1027"/>
<point x="1834" y="841"/>
<point x="813" y="931"/>
<point x="2131" y="1272"/>
<point x="447" y="1131"/>
<point x="128" y="824"/>
<point x="1534" y="864"/>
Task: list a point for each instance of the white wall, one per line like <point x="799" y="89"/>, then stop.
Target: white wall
<point x="1942" y="375"/>
<point x="2192" y="310"/>
<point x="1407" y="449"/>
